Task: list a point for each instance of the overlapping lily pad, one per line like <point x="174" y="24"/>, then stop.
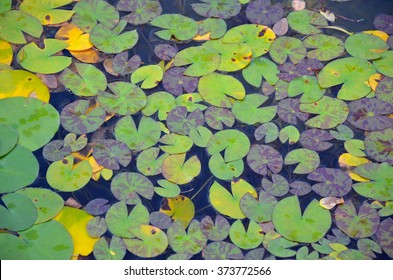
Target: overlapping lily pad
<point x="217" y="8"/>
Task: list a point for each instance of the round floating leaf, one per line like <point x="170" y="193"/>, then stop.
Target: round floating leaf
<point x="355" y="147"/>
<point x="234" y="142"/>
<point x="160" y="220"/>
<point x="18" y="22"/>
<point x="149" y="75"/>
<point x="368" y="247"/>
<point x="287" y="47"/>
<point x="112" y="40"/>
<point x="380" y="186"/>
<point x="122" y="65"/>
<point x="221" y="250"/>
<point x="214" y="28"/>
<point x="356" y="224"/>
<point x="316" y="139"/>
<point x="378" y="145"/>
<point x="332" y="182"/>
<point x="384" y="237"/>
<point x="308" y="160"/>
<point x="46" y="11"/>
<point x="384" y="22"/>
<point x="111" y="153"/>
<point x="18" y="169"/>
<point x="304" y="254"/>
<point x="262" y="12"/>
<point x="369" y="114"/>
<point x="225" y="170"/>
<point x="167" y="189"/>
<point x="383" y="65"/>
<point x="260" y="210"/>
<point x="175" y="143"/>
<point x="179" y="171"/>
<point x="19" y="212"/>
<point x="263" y="157"/>
<point x="97" y="206"/>
<point x="331" y="112"/>
<point x="47" y="202"/>
<point x="343" y="133"/>
<point x="179" y="208"/>
<point x="217" y="8"/>
<point x="149" y="163"/>
<point x="127" y="99"/>
<point x="43" y="120"/>
<point x="249" y="111"/>
<point x="96" y="227"/>
<point x="87" y="82"/>
<point x="215" y="89"/>
<point x="149" y="241"/>
<point x="307" y="86"/>
<point x="178" y="121"/>
<point x="258" y="69"/>
<point x="119" y="222"/>
<point x="217" y="230"/>
<point x="365" y="46"/>
<point x="160" y="101"/>
<point x="142" y="11"/>
<point x="308" y="227"/>
<point x="75" y="144"/>
<point x="279" y="246"/>
<point x="200" y="136"/>
<point x="243" y="239"/>
<point x="299" y="188"/>
<point x="165" y="51"/>
<point x="175" y="80"/>
<point x="324" y="47"/>
<point x="304" y="21"/>
<point x="384" y="90"/>
<point x="46" y="241"/>
<point x="190" y="242"/>
<point x="267" y="130"/>
<point x="352" y="72"/>
<point x="78" y="117"/>
<point x="76" y="39"/>
<point x="116" y="250"/>
<point x="138" y="139"/>
<point x="216" y="117"/>
<point x="190" y="101"/>
<point x="127" y="186"/>
<point x="56" y="150"/>
<point x="8" y="139"/>
<point x="277" y="187"/>
<point x="290" y="134"/>
<point x="229" y="203"/>
<point x="43" y="61"/>
<point x="175" y="25"/>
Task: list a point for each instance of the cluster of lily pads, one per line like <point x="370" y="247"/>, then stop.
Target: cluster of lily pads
<point x="268" y="98"/>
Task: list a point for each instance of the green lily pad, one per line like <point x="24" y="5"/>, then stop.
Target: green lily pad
<point x="215" y="89"/>
<point x="190" y="242"/>
<point x="304" y="21"/>
<point x="175" y="143"/>
<point x="323" y="47"/>
<point x="76" y="144"/>
<point x="368" y="247"/>
<point x="149" y="163"/>
<point x="18" y="169"/>
<point x="115" y="250"/>
<point x="217" y="230"/>
<point x="381" y="183"/>
<point x="258" y="69"/>
<point x="352" y="254"/>
<point x="384" y="64"/>
<point x="149" y="75"/>
<point x="47" y="202"/>
<point x="113" y="40"/>
<point x="215" y="27"/>
<point x="178" y="121"/>
<point x="221" y="250"/>
<point x="260" y="210"/>
<point x="160" y="101"/>
<point x="342" y="133"/>
<point x="179" y="208"/>
<point x="17" y="23"/>
<point x="331" y="112"/>
<point x="175" y="25"/>
<point x="246" y="239"/>
<point x="352" y="72"/>
<point x="19" y="212"/>
<point x="307" y="86"/>
<point x="217" y="8"/>
<point x="137" y="139"/>
<point x="268" y="130"/>
<point x="88" y="80"/>
<point x="250" y="109"/>
<point x="308" y="160"/>
<point x="8" y="139"/>
<point x="190" y="101"/>
<point x="279" y="246"/>
<point x="289" y="133"/>
<point x="5" y="6"/>
<point x="225" y="170"/>
<point x="200" y="136"/>
<point x="287" y="47"/>
<point x="43" y="61"/>
<point x="167" y="189"/>
<point x="355" y="147"/>
<point x="127" y="99"/>
<point x="216" y="117"/>
<point x="234" y="142"/>
<point x="308" y="227"/>
<point x="46" y="12"/>
<point x="120" y="221"/>
<point x="365" y="46"/>
<point x="278" y="186"/>
<point x="175" y="169"/>
<point x="128" y="186"/>
<point x="46" y="241"/>
<point x="304" y="254"/>
<point x="229" y="203"/>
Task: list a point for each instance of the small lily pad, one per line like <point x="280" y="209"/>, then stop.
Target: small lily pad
<point x="222" y="250"/>
<point x="246" y="239"/>
<point x="97" y="206"/>
<point x="263" y="157"/>
<point x="111" y="153"/>
<point x="175" y="81"/>
<point x="149" y="75"/>
<point x="278" y="186"/>
<point x="217" y="8"/>
<point x="149" y="162"/>
<point x="268" y="130"/>
<point x="175" y="25"/>
<point x="225" y="170"/>
<point x="56" y="150"/>
<point x="234" y="142"/>
<point x="308" y="160"/>
<point x="128" y="186"/>
<point x="378" y="145"/>
<point x="383" y="236"/>
<point x="167" y="189"/>
<point x="179" y="171"/>
<point x="287" y="47"/>
<point x="115" y="250"/>
<point x="288" y="110"/>
<point x="304" y="21"/>
<point x="263" y="12"/>
<point x="217" y="230"/>
<point x="160" y="101"/>
<point x="316" y="139"/>
<point x="258" y="69"/>
<point x="142" y="11"/>
<point x="260" y="210"/>
<point x="216" y="117"/>
<point x="250" y="109"/>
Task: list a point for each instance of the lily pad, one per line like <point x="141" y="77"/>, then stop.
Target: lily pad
<point x="122" y="65"/>
<point x="179" y="171"/>
<point x="221" y="250"/>
<point x="299" y="188"/>
<point x="217" y="8"/>
<point x="225" y="170"/>
<point x="216" y="117"/>
<point x="8" y="139"/>
<point x="357" y="224"/>
<point x="308" y="160"/>
<point x="263" y="12"/>
<point x="324" y="47"/>
<point x="287" y="47"/>
<point x="149" y="162"/>
<point x="97" y="206"/>
<point x="96" y="227"/>
<point x="175" y="25"/>
<point x="378" y="145"/>
<point x="217" y="230"/>
<point x="175" y="81"/>
<point x="384" y="90"/>
<point x="246" y="239"/>
<point x="111" y="153"/>
<point x="167" y="189"/>
<point x="149" y="75"/>
<point x="190" y="242"/>
<point x="178" y="121"/>
<point x="384" y="22"/>
<point x="160" y="101"/>
<point x="368" y="247"/>
<point x="289" y="134"/>
<point x="179" y="208"/>
<point x="316" y="139"/>
<point x="332" y="182"/>
<point x="260" y="210"/>
<point x="278" y="186"/>
<point x="128" y="186"/>
<point x="288" y="111"/>
<point x="175" y="143"/>
<point x="263" y="157"/>
<point x="165" y="51"/>
<point x="160" y="220"/>
<point x="46" y="11"/>
<point x="55" y="150"/>
<point x="142" y="11"/>
<point x="365" y="46"/>
<point x="268" y="130"/>
<point x="306" y="227"/>
<point x="234" y="142"/>
<point x="258" y="69"/>
<point x="115" y="250"/>
<point x="279" y="246"/>
<point x="308" y="87"/>
<point x="384" y="238"/>
<point x="214" y="28"/>
<point x="383" y="64"/>
<point x="305" y="21"/>
<point x="200" y="136"/>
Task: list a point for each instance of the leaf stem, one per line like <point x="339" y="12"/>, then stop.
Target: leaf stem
<point x="201" y="188"/>
<point x="336" y="28"/>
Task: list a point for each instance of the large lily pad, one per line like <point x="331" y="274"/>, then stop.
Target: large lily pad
<point x="378" y="145"/>
<point x="250" y="109"/>
<point x="308" y="227"/>
<point x="366" y="46"/>
<point x="190" y="242"/>
<point x="234" y="142"/>
<point x="217" y="8"/>
<point x="332" y="182"/>
<point x="175" y="143"/>
<point x="8" y="139"/>
<point x="324" y="47"/>
<point x="263" y="157"/>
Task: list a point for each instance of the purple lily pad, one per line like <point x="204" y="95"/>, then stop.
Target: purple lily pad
<point x="281" y="27"/>
<point x="97" y="206"/>
<point x="224" y="9"/>
<point x="280" y="89"/>
<point x="110" y="153"/>
<point x="165" y="51"/>
<point x="55" y="150"/>
<point x="267" y="130"/>
<point x="384" y="23"/>
<point x="216" y="117"/>
<point x="289" y="71"/>
<point x="160" y="220"/>
<point x="175" y="81"/>
<point x="142" y="11"/>
<point x="384" y="90"/>
<point x="262" y="12"/>
<point x="339" y="237"/>
<point x="221" y="250"/>
<point x="217" y="230"/>
<point x="332" y="182"/>
<point x="79" y="119"/>
<point x="369" y="114"/>
<point x="256" y="254"/>
<point x="379" y="145"/>
<point x="299" y="188"/>
<point x="278" y="186"/>
<point x="96" y="227"/>
<point x="122" y="65"/>
<point x="315" y="139"/>
<point x="288" y="111"/>
<point x="309" y="66"/>
<point x="384" y="236"/>
<point x="260" y="158"/>
<point x="361" y="224"/>
<point x="178" y="121"/>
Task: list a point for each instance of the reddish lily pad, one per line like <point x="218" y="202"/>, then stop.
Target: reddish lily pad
<point x="263" y="157"/>
<point x="216" y="117"/>
<point x="316" y="139"/>
<point x="278" y="186"/>
<point x="287" y="47"/>
<point x="299" y="188"/>
<point x="384" y="236"/>
<point x="165" y="51"/>
<point x="55" y="150"/>
<point x="216" y="230"/>
<point x="122" y="65"/>
<point x="178" y="121"/>
<point x="221" y="250"/>
<point x="288" y="111"/>
<point x="175" y="81"/>
<point x="160" y="220"/>
<point x="111" y="153"/>
<point x="384" y="90"/>
<point x="379" y="145"/>
<point x="332" y="182"/>
<point x="384" y="23"/>
<point x="217" y="8"/>
<point x="263" y="12"/>
<point x="142" y="11"/>
<point x="97" y="206"/>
